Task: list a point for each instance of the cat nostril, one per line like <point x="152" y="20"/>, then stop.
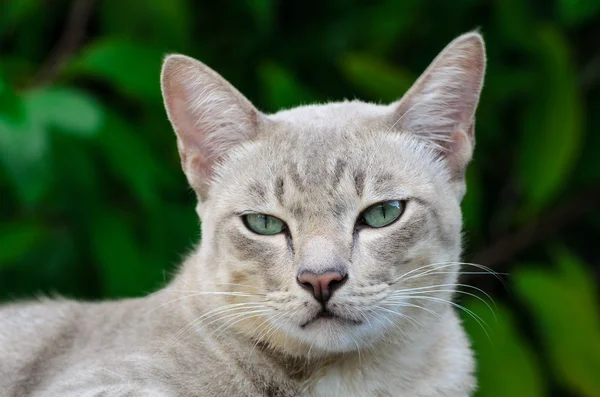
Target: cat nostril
<point x="306" y="285"/>
<point x="335" y="284"/>
<point x="322" y="285"/>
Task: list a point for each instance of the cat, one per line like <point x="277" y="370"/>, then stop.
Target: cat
<point x="328" y="261"/>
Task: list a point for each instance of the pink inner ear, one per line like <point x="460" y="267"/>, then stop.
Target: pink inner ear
<point x="458" y="142"/>
<point x="440" y="106"/>
<point x="209" y="116"/>
<point x="200" y="166"/>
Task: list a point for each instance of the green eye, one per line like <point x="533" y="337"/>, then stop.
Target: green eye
<point x="264" y="224"/>
<point x="382" y="214"/>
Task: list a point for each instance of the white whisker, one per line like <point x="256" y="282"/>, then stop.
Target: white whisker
<point x="247" y="294"/>
<point x="214" y="312"/>
<point x="402" y="314"/>
<point x="457" y="292"/>
<point x="240" y="285"/>
<point x="476" y="317"/>
<point x="441" y="265"/>
<point x="236" y="319"/>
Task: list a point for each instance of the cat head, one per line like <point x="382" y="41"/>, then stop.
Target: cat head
<point x="330" y="226"/>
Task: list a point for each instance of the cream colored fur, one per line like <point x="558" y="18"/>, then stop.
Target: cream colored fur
<point x="235" y="321"/>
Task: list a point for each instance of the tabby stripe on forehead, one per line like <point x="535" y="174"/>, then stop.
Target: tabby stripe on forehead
<point x="340" y="166"/>
<point x="279" y="190"/>
<point x="296" y="178"/>
<point x="258" y="190"/>
<point x="359" y="182"/>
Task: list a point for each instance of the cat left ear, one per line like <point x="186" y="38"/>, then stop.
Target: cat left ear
<point x="208" y="114"/>
<point x="440" y="106"/>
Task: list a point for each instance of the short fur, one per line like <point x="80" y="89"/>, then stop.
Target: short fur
<point x="235" y="321"/>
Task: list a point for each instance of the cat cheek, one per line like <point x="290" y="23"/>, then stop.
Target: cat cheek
<point x="267" y="260"/>
<point x="248" y="249"/>
<point x="391" y="252"/>
<point x="394" y="246"/>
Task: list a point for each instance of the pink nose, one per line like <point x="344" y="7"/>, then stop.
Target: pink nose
<point x="322" y="285"/>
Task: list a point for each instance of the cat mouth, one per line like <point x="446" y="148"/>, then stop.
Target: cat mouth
<point x="327" y="316"/>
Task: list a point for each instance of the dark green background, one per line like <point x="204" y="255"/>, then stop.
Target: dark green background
<point x="93" y="203"/>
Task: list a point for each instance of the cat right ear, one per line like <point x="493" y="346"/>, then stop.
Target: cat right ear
<point x="208" y="115"/>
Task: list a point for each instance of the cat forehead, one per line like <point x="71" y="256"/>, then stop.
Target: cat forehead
<point x="314" y="135"/>
<point x="325" y="153"/>
<point x="346" y="113"/>
<point x="352" y="133"/>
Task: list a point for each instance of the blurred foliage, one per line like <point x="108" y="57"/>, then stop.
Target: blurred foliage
<point x="93" y="203"/>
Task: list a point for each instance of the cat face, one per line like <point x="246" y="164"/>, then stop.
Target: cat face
<point x="335" y="225"/>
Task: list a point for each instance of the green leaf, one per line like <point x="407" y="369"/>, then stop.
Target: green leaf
<point x="553" y="130"/>
<point x="376" y="78"/>
<point x="132" y="68"/>
<point x="506" y="365"/>
<point x="17" y="239"/>
<point x="11" y="104"/>
<point x="24" y="147"/>
<point x="24" y="133"/>
<point x="565" y="307"/>
<point x="281" y="88"/>
<point x="69" y="110"/>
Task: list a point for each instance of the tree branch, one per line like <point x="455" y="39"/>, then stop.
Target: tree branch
<point x="505" y="248"/>
<point x="69" y="41"/>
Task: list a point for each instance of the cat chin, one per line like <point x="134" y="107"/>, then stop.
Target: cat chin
<point x="334" y="336"/>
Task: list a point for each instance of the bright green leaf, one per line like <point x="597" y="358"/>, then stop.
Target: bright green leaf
<point x="24" y="148"/>
<point x="132" y="68"/>
<point x="24" y="133"/>
<point x="506" y="365"/>
<point x="376" y="78"/>
<point x="69" y="110"/>
<point x="565" y="306"/>
<point x="553" y="130"/>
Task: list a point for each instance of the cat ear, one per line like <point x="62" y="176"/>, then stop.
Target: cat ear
<point x="208" y="115"/>
<point x="440" y="106"/>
